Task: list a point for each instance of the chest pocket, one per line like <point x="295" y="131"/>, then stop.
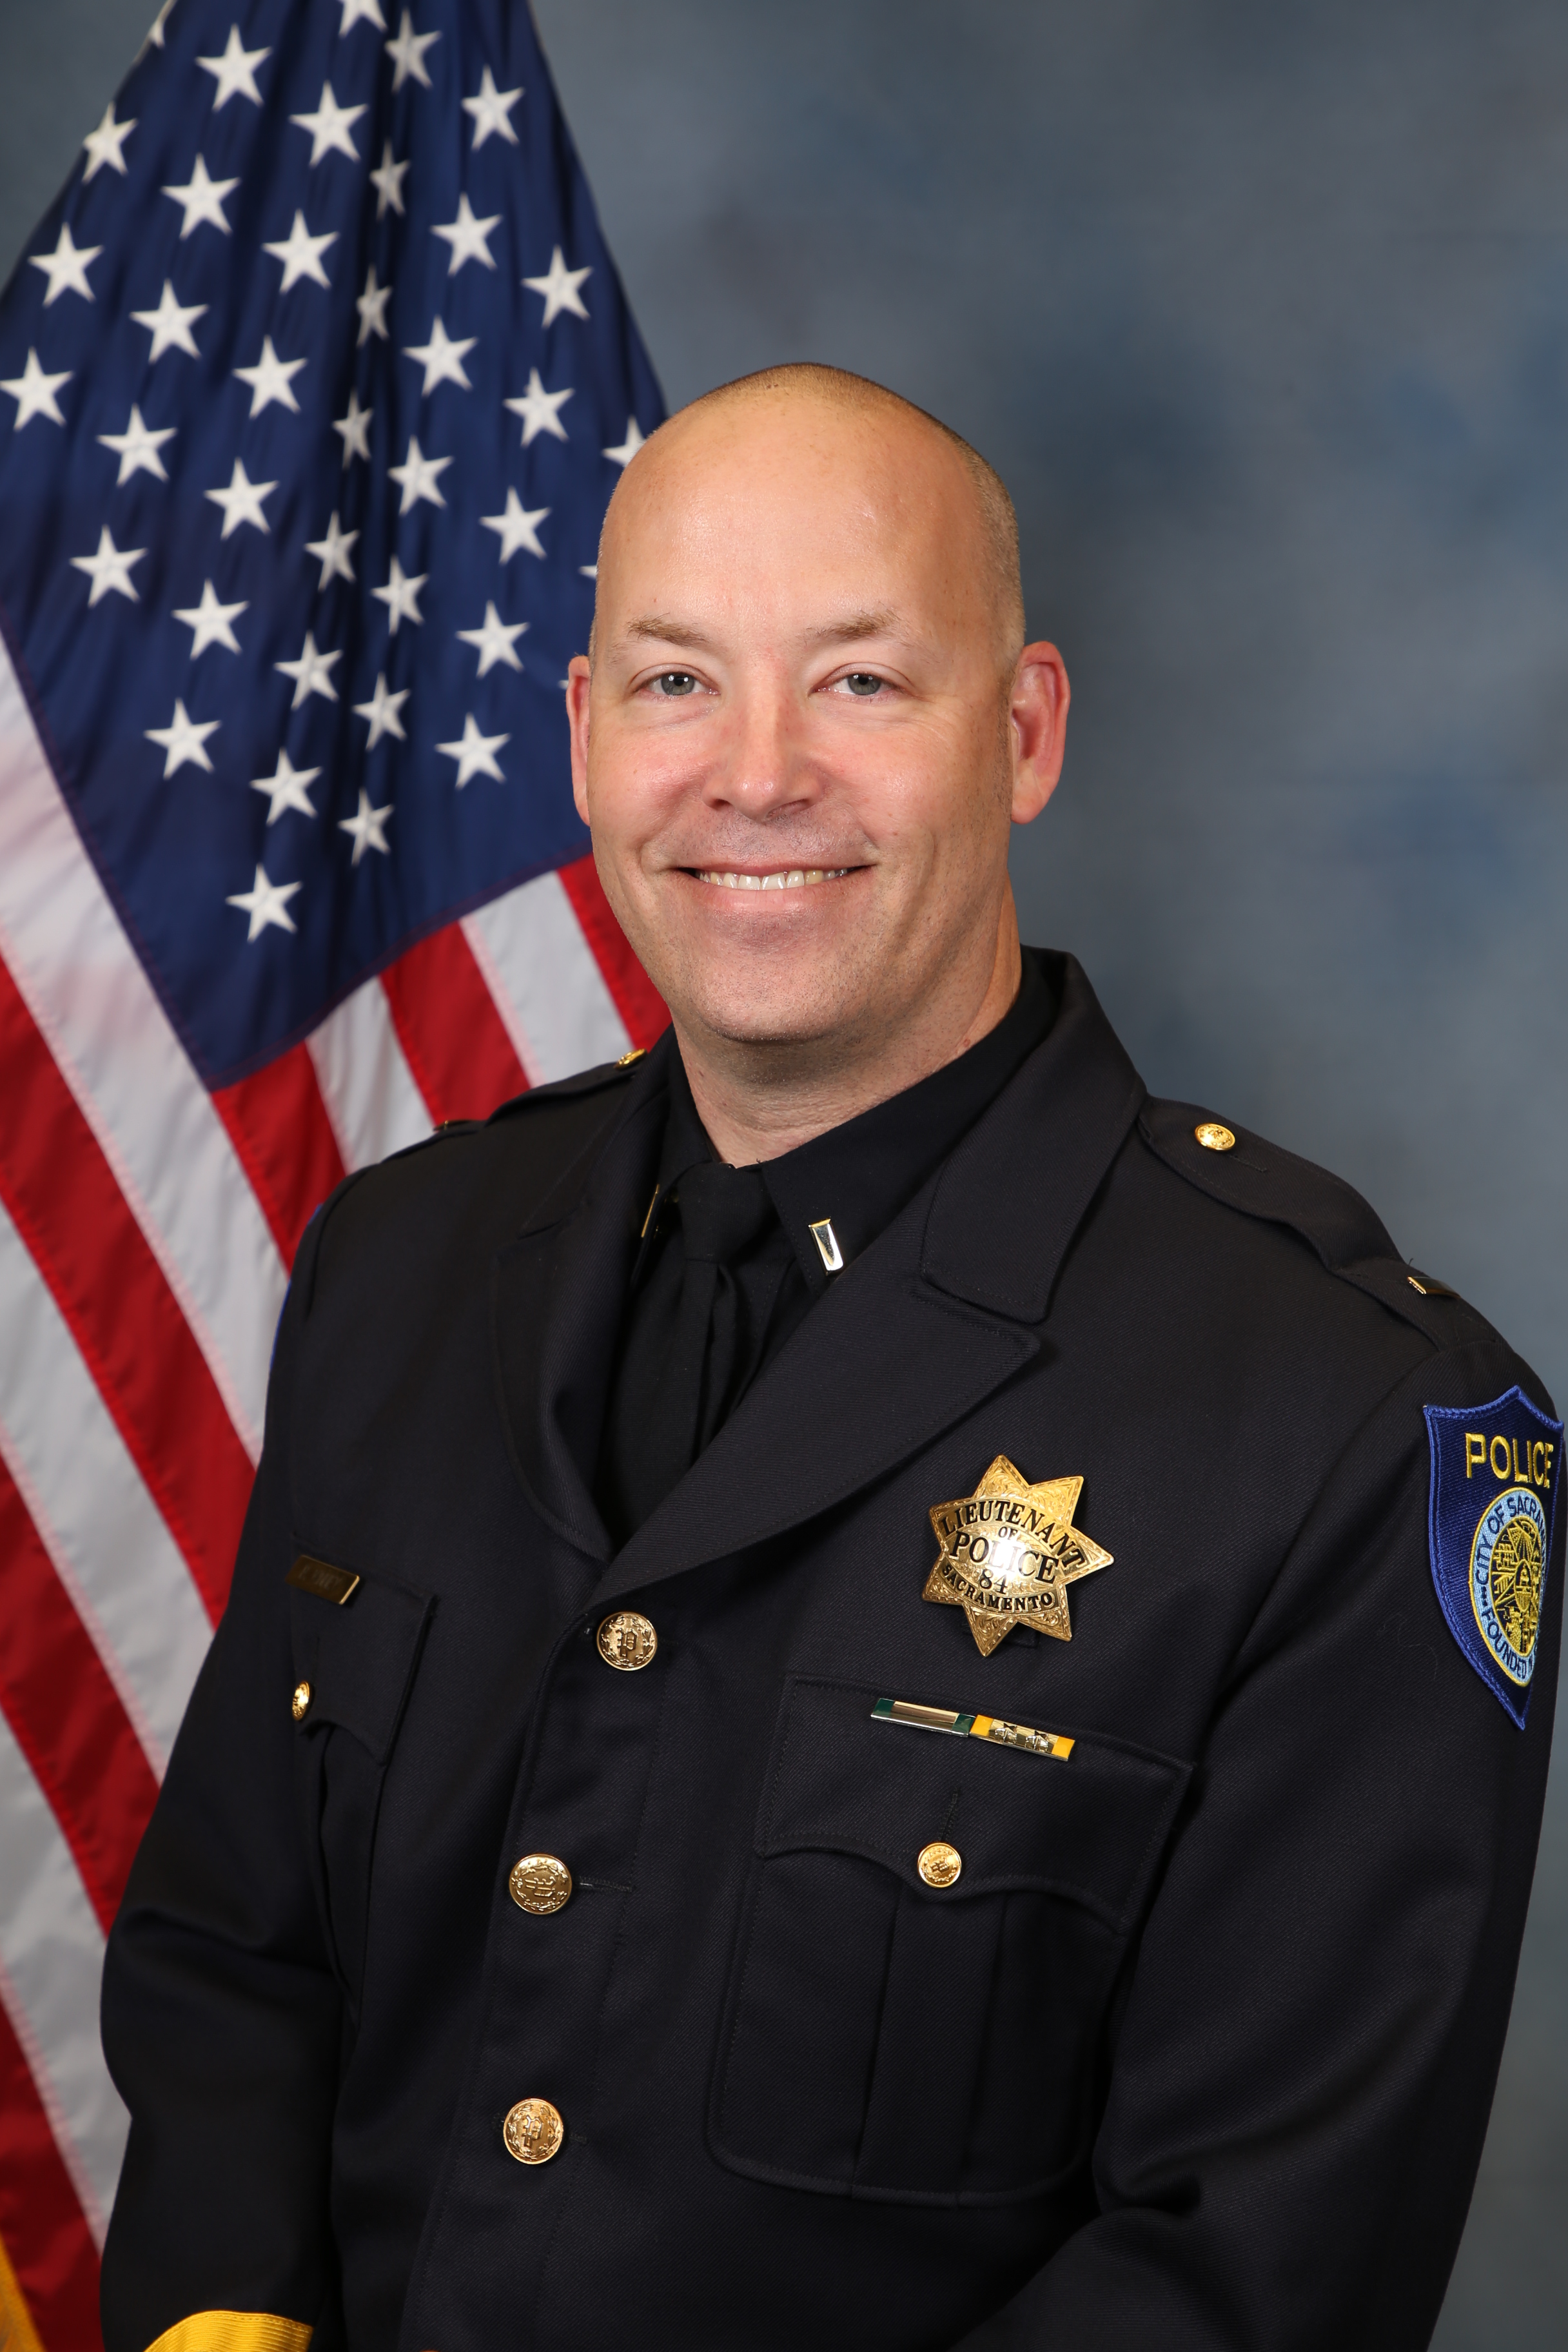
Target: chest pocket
<point x="885" y="2039"/>
<point x="359" y="1658"/>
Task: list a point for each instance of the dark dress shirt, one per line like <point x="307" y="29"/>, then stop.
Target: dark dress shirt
<point x="728" y="1268"/>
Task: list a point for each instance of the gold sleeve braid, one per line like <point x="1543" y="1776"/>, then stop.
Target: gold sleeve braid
<point x="233" y="2331"/>
<point x="18" y="2333"/>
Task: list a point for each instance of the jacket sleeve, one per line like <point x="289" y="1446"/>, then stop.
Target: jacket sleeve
<point x="1299" y="2088"/>
<point x="221" y="2014"/>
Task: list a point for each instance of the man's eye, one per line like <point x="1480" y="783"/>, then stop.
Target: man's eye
<point x="673" y="682"/>
<point x="862" y="682"/>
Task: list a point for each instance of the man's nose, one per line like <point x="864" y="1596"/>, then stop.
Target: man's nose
<point x="764" y="768"/>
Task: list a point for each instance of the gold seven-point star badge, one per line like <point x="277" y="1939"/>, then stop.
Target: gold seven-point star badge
<point x="1008" y="1553"/>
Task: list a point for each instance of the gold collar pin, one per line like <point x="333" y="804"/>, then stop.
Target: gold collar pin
<point x="827" y="1241"/>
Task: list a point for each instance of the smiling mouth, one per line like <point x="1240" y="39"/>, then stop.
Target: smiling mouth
<point x="793" y="877"/>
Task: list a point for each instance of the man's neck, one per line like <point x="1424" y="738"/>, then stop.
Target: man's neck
<point x="757" y="1102"/>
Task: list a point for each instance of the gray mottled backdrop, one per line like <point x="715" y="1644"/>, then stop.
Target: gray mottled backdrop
<point x="1263" y="314"/>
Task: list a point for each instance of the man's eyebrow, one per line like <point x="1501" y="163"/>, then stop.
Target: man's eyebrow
<point x="663" y="632"/>
<point x="854" y="625"/>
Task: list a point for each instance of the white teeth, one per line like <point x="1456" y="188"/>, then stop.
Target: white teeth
<point x="796" y="878"/>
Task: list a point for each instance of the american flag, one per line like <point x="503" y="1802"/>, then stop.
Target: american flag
<point x="313" y="387"/>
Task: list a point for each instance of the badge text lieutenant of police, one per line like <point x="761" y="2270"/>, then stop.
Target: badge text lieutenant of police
<point x="879" y="1692"/>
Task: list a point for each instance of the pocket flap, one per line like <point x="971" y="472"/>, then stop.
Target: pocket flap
<point x="359" y="1657"/>
<point x="1091" y="1827"/>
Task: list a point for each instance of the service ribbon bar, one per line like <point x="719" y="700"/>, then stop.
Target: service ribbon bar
<point x="973" y="1726"/>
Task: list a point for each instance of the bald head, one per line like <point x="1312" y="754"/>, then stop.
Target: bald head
<point x="779" y="395"/>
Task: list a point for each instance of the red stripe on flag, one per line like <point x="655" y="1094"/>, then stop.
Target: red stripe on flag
<point x="278" y="1123"/>
<point x="47" y="2240"/>
<point x="66" y="1715"/>
<point x="63" y="1199"/>
<point x="452" y="1037"/>
<point x="637" y="999"/>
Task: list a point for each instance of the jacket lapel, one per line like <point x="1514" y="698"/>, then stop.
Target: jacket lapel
<point x="943" y="1308"/>
<point x="557" y="1293"/>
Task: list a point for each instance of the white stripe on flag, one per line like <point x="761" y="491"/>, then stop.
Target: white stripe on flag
<point x="130" y="1075"/>
<point x="99" y="1526"/>
<point x="545" y="981"/>
<point x="51" y="1957"/>
<point x="365" y="1081"/>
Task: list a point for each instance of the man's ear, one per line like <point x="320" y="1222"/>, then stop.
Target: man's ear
<point x="1037" y="712"/>
<point x="578" y="683"/>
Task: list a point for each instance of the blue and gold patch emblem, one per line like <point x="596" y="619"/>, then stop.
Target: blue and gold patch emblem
<point x="1496" y="1469"/>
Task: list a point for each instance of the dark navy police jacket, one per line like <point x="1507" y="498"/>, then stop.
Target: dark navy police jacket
<point x="1196" y="2053"/>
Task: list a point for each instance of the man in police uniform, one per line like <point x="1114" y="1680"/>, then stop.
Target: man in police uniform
<point x="878" y="1691"/>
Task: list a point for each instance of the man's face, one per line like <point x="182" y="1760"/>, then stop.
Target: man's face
<point x="796" y="748"/>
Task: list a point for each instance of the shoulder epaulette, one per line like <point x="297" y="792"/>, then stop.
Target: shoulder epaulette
<point x="443" y="1132"/>
<point x="1260" y="1180"/>
<point x="580" y="1082"/>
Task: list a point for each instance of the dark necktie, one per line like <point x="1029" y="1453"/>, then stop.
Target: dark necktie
<point x="684" y="1372"/>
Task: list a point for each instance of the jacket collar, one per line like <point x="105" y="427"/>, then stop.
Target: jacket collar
<point x="1009" y="1199"/>
<point x="936" y="1314"/>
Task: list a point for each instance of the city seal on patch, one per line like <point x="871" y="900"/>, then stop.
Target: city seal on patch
<point x="1496" y="1469"/>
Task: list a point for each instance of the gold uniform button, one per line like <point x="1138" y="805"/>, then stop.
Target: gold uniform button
<point x="301" y="1701"/>
<point x="533" y="2131"/>
<point x="540" y="1883"/>
<point x="1215" y="1137"/>
<point x="626" y="1641"/>
<point x="638" y="1054"/>
<point x="938" y="1863"/>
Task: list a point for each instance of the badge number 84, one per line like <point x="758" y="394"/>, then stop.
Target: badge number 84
<point x="1008" y="1553"/>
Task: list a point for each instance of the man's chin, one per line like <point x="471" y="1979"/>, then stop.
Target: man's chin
<point x="804" y="1014"/>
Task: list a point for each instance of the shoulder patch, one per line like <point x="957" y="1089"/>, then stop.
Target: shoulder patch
<point x="1496" y="1469"/>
